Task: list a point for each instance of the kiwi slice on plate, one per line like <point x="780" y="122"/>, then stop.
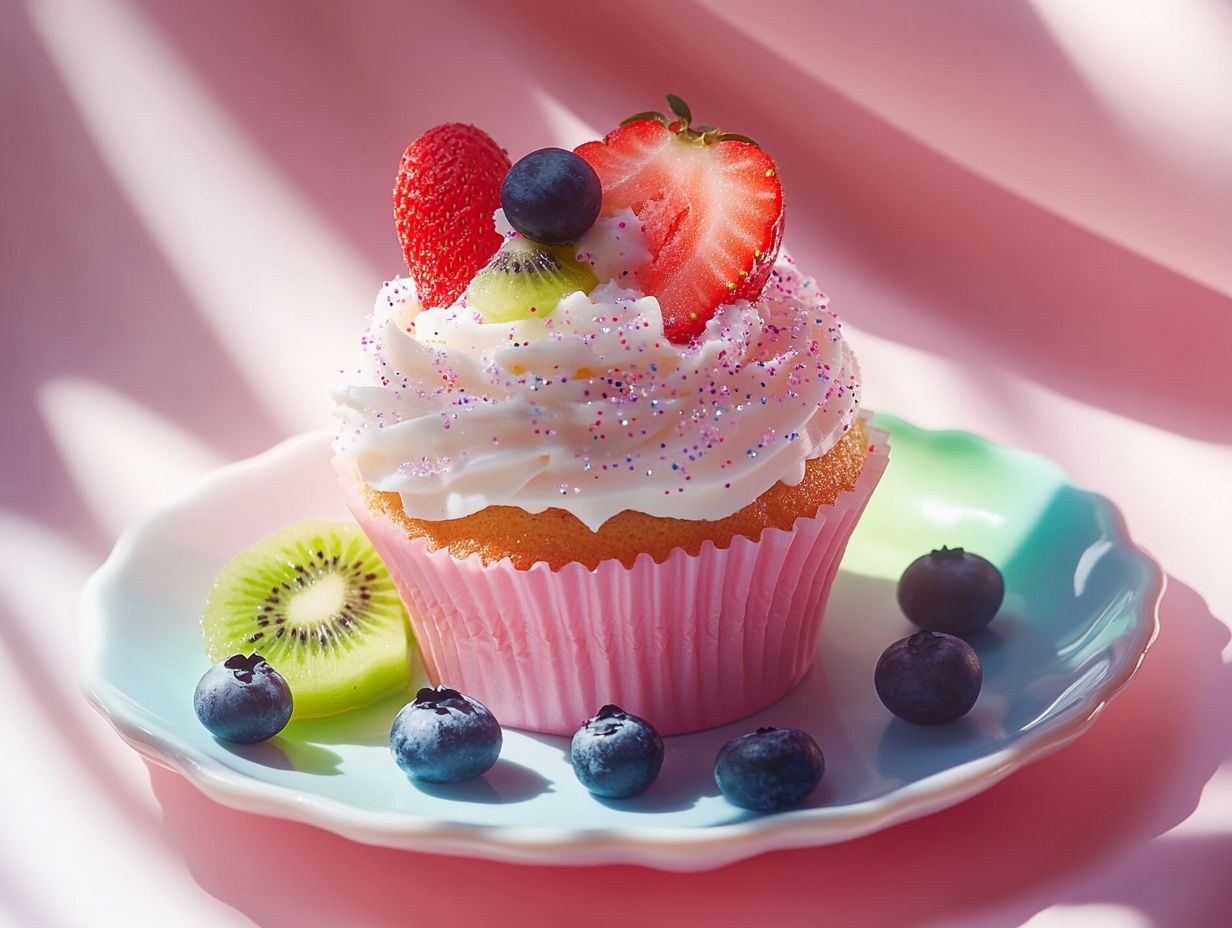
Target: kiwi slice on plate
<point x="316" y="602"/>
<point x="526" y="279"/>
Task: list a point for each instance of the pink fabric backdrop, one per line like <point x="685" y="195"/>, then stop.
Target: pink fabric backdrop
<point x="1023" y="211"/>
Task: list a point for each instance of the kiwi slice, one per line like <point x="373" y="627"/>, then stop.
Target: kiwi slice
<point x="526" y="279"/>
<point x="316" y="602"/>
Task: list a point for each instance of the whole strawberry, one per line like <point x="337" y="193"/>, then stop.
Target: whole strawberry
<point x="447" y="188"/>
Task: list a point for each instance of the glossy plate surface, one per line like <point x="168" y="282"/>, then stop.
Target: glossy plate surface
<point x="1079" y="615"/>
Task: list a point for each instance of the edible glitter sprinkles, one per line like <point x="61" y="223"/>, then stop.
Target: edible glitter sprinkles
<point x="592" y="408"/>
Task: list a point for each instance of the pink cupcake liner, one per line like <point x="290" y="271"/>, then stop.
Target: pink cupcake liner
<point x="689" y="643"/>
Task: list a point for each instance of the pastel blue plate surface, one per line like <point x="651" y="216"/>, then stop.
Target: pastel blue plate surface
<point x="1079" y="614"/>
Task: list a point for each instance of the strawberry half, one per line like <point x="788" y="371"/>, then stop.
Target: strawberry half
<point x="710" y="204"/>
<point x="447" y="188"/>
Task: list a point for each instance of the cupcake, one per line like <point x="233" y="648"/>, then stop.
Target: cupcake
<point x="608" y="438"/>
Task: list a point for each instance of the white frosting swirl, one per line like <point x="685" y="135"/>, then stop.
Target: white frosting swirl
<point x="591" y="409"/>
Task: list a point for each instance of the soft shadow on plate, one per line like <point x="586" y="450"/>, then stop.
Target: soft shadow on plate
<point x="505" y="782"/>
<point x="368" y="725"/>
<point x="282" y="753"/>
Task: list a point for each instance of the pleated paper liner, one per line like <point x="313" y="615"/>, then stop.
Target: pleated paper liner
<point x="689" y="643"/>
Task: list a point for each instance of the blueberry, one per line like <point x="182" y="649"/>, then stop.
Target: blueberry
<point x="929" y="678"/>
<point x="552" y="196"/>
<point x="615" y="754"/>
<point x="444" y="737"/>
<point x="769" y="769"/>
<point x="243" y="699"/>
<point x="951" y="590"/>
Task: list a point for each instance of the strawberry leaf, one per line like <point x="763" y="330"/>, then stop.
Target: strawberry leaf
<point x="681" y="109"/>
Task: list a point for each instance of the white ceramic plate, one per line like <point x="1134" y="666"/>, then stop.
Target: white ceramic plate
<point x="1079" y="615"/>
